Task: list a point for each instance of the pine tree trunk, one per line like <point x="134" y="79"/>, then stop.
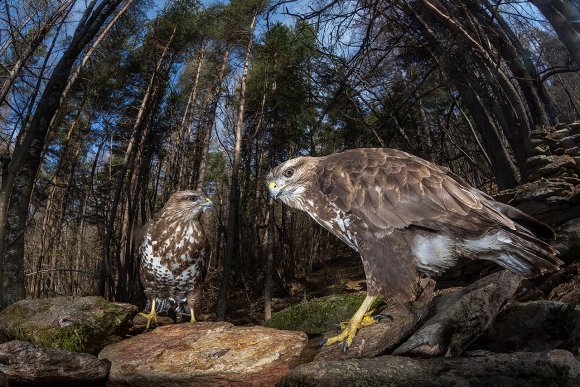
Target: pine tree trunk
<point x="15" y="195"/>
<point x="211" y="120"/>
<point x="232" y="236"/>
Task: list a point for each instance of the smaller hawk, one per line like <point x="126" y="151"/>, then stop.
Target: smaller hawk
<point x="174" y="252"/>
<point x="406" y="215"/>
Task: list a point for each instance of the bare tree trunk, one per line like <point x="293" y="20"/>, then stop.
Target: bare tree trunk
<point x="177" y="165"/>
<point x="269" y="269"/>
<point x="211" y="120"/>
<point x="26" y="159"/>
<point x="232" y="244"/>
<point x="92" y="49"/>
<point x="132" y="146"/>
<point x="563" y="17"/>
<point x="35" y="41"/>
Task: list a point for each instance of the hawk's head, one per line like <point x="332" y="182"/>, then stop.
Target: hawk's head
<point x="289" y="180"/>
<point x="187" y="204"/>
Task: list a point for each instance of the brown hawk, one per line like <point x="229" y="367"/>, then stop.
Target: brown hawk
<point x="405" y="215"/>
<point x="174" y="252"/>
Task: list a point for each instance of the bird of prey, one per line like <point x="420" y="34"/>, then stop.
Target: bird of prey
<point x="174" y="252"/>
<point x="404" y="216"/>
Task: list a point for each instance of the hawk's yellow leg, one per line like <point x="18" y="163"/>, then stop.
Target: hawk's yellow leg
<point x="355" y="323"/>
<point x="151" y="315"/>
<point x="192" y="315"/>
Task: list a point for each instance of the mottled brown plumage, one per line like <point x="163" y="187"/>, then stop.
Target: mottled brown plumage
<point x="405" y="215"/>
<point x="174" y="252"/>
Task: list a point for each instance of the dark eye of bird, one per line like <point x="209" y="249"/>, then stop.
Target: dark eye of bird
<point x="289" y="172"/>
<point x="193" y="198"/>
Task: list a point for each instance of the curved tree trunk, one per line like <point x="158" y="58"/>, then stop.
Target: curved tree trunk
<point x="16" y="191"/>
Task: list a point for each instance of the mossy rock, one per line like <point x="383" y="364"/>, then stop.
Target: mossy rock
<point x="318" y="315"/>
<point x="80" y="324"/>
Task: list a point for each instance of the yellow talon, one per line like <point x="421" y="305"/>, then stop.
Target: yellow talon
<point x="360" y="319"/>
<point x="152" y="315"/>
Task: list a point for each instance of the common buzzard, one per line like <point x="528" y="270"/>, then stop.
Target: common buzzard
<point x="405" y="215"/>
<point x="174" y="253"/>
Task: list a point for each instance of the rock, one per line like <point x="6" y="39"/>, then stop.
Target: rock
<point x="533" y="327"/>
<point x="541" y="160"/>
<point x="563" y="285"/>
<point x="540" y="150"/>
<point x="24" y="363"/>
<point x="204" y="353"/>
<point x="565" y="132"/>
<point x="386" y="334"/>
<point x="568" y="239"/>
<point x="556" y="167"/>
<point x="461" y="316"/>
<point x="318" y="315"/>
<point x="554" y="368"/>
<point x="80" y="324"/>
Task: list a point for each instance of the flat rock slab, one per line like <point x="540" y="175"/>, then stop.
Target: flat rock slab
<point x="24" y="363"/>
<point x="553" y="368"/>
<point x="461" y="316"/>
<point x="204" y="353"/>
<point x="80" y="324"/>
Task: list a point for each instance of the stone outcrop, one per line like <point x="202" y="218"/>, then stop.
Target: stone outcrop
<point x="204" y="353"/>
<point x="80" y="324"/>
<point x="459" y="317"/>
<point x="533" y="327"/>
<point x="23" y="363"/>
<point x="552" y="192"/>
<point x="553" y="368"/>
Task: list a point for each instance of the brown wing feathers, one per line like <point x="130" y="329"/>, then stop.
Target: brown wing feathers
<point x="392" y="190"/>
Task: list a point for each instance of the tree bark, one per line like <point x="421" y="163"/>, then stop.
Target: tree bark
<point x="563" y="17"/>
<point x="132" y="147"/>
<point x="25" y="163"/>
<point x="32" y="46"/>
<point x="211" y="120"/>
<point x="232" y="235"/>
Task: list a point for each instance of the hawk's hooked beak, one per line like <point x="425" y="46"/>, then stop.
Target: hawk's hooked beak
<point x="274" y="189"/>
<point x="207" y="204"/>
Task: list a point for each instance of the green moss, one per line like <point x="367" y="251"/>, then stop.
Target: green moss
<point x="72" y="338"/>
<point x="318" y="315"/>
<point x="16" y="314"/>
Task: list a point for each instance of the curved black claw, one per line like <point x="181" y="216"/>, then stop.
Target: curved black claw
<point x="323" y="341"/>
<point x="344" y="346"/>
<point x="380" y="316"/>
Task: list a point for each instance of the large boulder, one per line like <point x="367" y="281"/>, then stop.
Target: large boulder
<point x="23" y="363"/>
<point x="80" y="324"/>
<point x="461" y="316"/>
<point x="553" y="368"/>
<point x="204" y="353"/>
<point x="533" y="326"/>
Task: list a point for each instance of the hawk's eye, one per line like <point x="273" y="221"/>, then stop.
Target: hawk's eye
<point x="193" y="198"/>
<point x="289" y="172"/>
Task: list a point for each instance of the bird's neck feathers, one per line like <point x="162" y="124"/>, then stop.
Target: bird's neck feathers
<point x="180" y="215"/>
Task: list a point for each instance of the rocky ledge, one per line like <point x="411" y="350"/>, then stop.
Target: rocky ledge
<point x="204" y="353"/>
<point x="80" y="324"/>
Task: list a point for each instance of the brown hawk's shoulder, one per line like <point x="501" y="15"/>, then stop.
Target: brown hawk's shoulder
<point x="391" y="189"/>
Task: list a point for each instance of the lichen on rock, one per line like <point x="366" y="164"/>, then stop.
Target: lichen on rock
<point x="80" y="324"/>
